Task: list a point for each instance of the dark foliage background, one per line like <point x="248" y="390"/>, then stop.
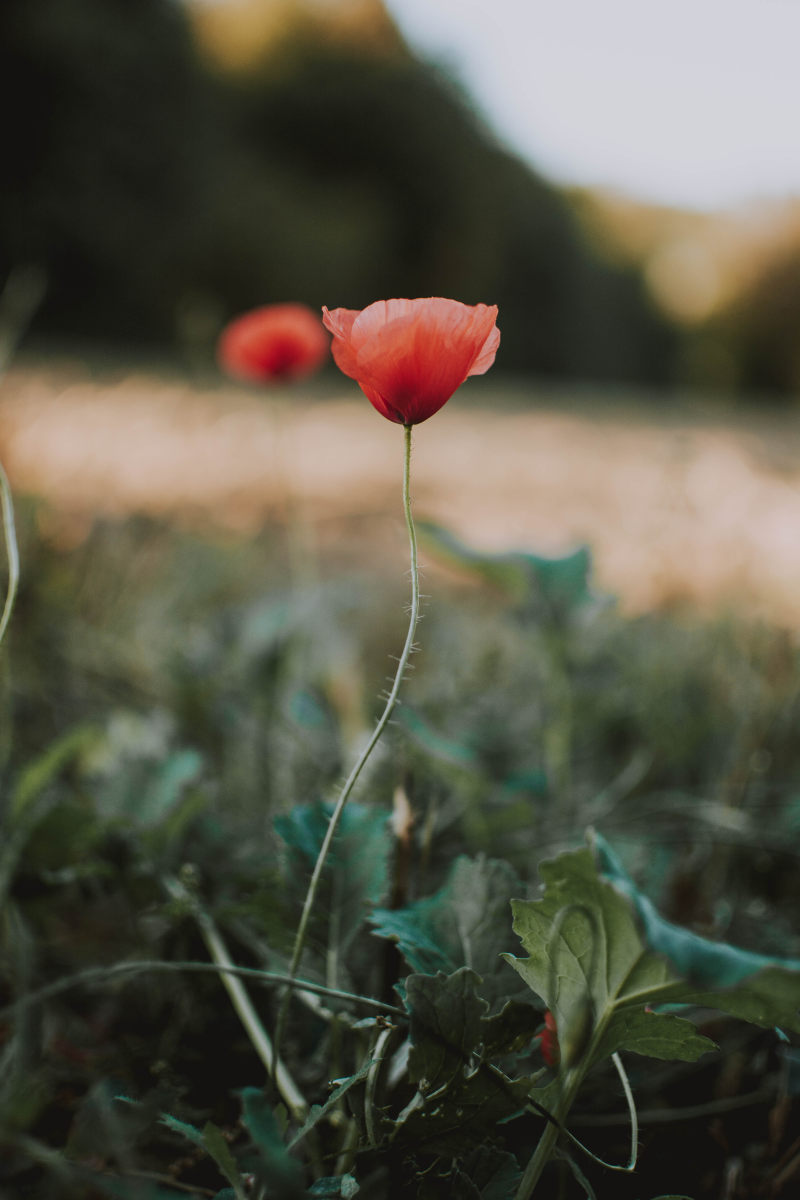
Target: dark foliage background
<point x="161" y="198"/>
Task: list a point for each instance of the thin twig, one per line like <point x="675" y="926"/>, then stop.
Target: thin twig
<point x="19" y="300"/>
<point x="295" y="1101"/>
<point x="12" y="550"/>
<point x="92" y="975"/>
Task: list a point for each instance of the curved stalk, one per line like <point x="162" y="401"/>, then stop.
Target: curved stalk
<point x="100" y="975"/>
<point x="344" y="796"/>
<point x="12" y="553"/>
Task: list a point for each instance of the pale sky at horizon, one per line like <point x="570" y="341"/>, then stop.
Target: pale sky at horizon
<point x="686" y="102"/>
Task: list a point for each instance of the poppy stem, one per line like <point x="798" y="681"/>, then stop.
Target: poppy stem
<point x="344" y="796"/>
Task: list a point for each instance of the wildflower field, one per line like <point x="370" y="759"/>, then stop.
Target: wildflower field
<point x="557" y="930"/>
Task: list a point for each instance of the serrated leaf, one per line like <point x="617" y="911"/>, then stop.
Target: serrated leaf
<point x="216" y="1145"/>
<point x="486" y="1173"/>
<point x="510" y="1030"/>
<point x="655" y="1035"/>
<point x="461" y="1095"/>
<point x="445" y="1026"/>
<point x="588" y="963"/>
<point x="463" y="924"/>
<point x="318" y="1111"/>
<point x="494" y="1173"/>
<point x="598" y="955"/>
<point x="210" y="1139"/>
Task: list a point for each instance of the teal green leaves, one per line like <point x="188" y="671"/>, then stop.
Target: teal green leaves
<point x="557" y="584"/>
<point x="463" y="925"/>
<point x="696" y="959"/>
<point x="355" y="875"/>
<point x="754" y="987"/>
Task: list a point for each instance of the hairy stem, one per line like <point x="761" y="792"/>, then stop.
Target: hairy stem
<point x="344" y="796"/>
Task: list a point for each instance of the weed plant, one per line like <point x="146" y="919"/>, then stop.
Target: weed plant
<point x="177" y="718"/>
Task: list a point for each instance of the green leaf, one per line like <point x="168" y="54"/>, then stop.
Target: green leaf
<point x="436" y="744"/>
<point x="486" y="1173"/>
<point x="318" y="1111"/>
<point x="182" y="1127"/>
<point x="511" y="1030"/>
<point x="165" y="788"/>
<point x="754" y="987"/>
<point x="220" y="1151"/>
<point x="38" y="774"/>
<point x="463" y="924"/>
<point x="211" y="1139"/>
<point x="656" y="1035"/>
<point x="283" y="1172"/>
<point x="493" y="1172"/>
<point x="460" y="1094"/>
<point x="50" y="831"/>
<point x="355" y="876"/>
<point x="560" y="583"/>
<point x="588" y="963"/>
<point x="599" y="954"/>
<point x="696" y="959"/>
<point x="445" y="1027"/>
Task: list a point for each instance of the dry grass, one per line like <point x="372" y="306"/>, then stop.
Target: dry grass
<point x="679" y="505"/>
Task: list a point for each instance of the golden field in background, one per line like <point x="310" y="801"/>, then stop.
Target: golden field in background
<point x="688" y="504"/>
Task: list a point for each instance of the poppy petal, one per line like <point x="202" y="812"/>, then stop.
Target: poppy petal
<point x="409" y="356"/>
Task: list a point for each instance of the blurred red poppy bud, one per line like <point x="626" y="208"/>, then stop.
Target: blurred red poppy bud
<point x="274" y="343"/>
<point x="409" y="356"/>
<point x="548" y="1041"/>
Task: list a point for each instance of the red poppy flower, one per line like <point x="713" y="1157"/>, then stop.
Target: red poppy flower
<point x="548" y="1041"/>
<point x="409" y="356"/>
<point x="276" y="342"/>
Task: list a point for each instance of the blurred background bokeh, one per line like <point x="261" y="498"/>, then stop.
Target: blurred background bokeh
<point x="170" y="164"/>
<point x="624" y="190"/>
<point x="214" y="572"/>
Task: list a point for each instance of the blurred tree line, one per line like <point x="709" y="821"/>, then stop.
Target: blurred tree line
<point x="758" y="333"/>
<point x="162" y="197"/>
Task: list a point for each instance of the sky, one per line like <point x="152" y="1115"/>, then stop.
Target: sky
<point x="693" y="103"/>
